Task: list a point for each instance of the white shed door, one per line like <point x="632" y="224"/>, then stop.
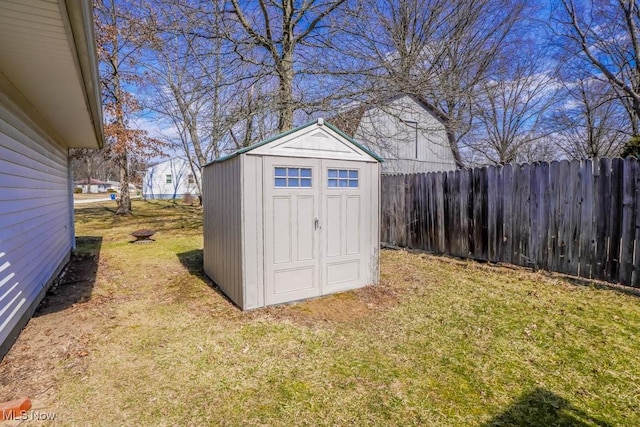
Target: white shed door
<point x="291" y="229"/>
<point x="316" y="219"/>
<point x="346" y="208"/>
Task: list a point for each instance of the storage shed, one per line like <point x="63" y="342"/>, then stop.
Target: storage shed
<point x="293" y="217"/>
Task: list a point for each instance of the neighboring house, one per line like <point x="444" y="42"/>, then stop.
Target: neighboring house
<point x="93" y="185"/>
<point x="115" y="185"/>
<point x="403" y="131"/>
<point x="49" y="102"/>
<point x="170" y="179"/>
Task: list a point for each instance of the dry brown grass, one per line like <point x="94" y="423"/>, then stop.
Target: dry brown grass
<point x="439" y="342"/>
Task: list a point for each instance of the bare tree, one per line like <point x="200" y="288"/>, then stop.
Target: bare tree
<point x="544" y="149"/>
<point x="271" y="33"/>
<point x="117" y="33"/>
<point x="510" y="109"/>
<point x="197" y="85"/>
<point x="603" y="37"/>
<point x="438" y="50"/>
<point x="182" y="93"/>
<point x="90" y="164"/>
<point x="590" y="123"/>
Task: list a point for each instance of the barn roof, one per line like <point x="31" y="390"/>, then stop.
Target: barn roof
<point x="319" y="122"/>
<point x="349" y="119"/>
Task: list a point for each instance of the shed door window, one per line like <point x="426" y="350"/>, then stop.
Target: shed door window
<point x="342" y="178"/>
<point x="168" y="179"/>
<point x="292" y="177"/>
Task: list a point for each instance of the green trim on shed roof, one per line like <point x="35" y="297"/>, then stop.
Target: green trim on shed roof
<point x="283" y="134"/>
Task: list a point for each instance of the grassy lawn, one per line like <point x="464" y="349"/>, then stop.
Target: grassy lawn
<point x="439" y="342"/>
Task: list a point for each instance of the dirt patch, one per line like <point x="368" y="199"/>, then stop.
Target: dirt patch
<point x="336" y="308"/>
<point x="73" y="287"/>
<point x="57" y="335"/>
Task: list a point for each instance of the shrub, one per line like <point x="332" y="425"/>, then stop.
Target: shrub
<point x="77" y="190"/>
<point x="111" y="190"/>
<point x="632" y="148"/>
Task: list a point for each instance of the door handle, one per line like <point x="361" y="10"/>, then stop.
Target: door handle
<point x="316" y="223"/>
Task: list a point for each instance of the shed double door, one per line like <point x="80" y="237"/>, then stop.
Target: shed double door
<point x="315" y="222"/>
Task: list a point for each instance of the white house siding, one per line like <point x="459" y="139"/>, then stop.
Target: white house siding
<point x="222" y="203"/>
<point x="407" y="137"/>
<point x="36" y="221"/>
<point x="155" y="186"/>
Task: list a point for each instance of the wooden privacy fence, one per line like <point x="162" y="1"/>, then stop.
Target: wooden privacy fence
<point x="581" y="217"/>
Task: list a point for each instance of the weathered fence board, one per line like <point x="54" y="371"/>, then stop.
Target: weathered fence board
<point x="573" y="245"/>
<point x="603" y="202"/>
<point x="580" y="217"/>
<point x="614" y="224"/>
<point x="553" y="233"/>
<point x="507" y="203"/>
<point x="628" y="221"/>
<point x="635" y="274"/>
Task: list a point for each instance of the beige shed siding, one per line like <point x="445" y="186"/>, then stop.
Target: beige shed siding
<point x="36" y="226"/>
<point x="252" y="216"/>
<point x="374" y="233"/>
<point x="222" y="185"/>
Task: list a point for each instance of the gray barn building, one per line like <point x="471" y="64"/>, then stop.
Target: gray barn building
<point x="294" y="217"/>
<point x="404" y="130"/>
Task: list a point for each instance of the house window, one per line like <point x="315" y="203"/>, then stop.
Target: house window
<point x="292" y="177"/>
<point x="342" y="178"/>
<point x="191" y="179"/>
<point x="168" y="179"/>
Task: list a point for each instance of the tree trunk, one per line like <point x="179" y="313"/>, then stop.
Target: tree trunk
<point x="124" y="203"/>
<point x="453" y="144"/>
<point x="285" y="73"/>
<point x="89" y="173"/>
